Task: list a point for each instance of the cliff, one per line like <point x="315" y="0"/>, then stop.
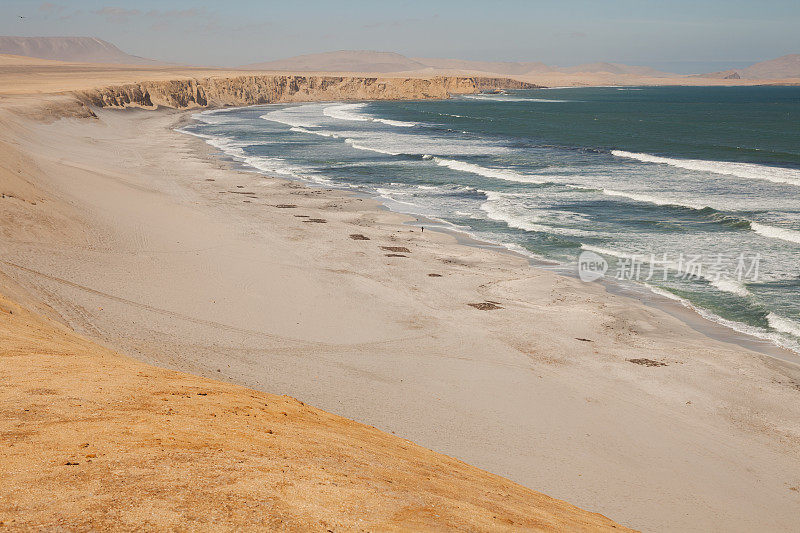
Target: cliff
<point x="267" y="89"/>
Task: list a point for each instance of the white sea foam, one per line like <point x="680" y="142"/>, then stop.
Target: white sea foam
<point x="268" y="165"/>
<point x="731" y="286"/>
<point x="497" y="173"/>
<point x="740" y="170"/>
<point x="321" y="133"/>
<point x="608" y="251"/>
<point x="351" y="112"/>
<point x="500" y="207"/>
<point x="304" y="116"/>
<point x="358" y="146"/>
<point x="773" y="232"/>
<point x="345" y="112"/>
<point x="776" y="338"/>
<point x="502" y="98"/>
<point x="398" y="123"/>
<point x="646" y="198"/>
<point x="783" y="324"/>
<point x="722" y="284"/>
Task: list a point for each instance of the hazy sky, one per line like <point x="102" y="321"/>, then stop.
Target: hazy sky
<point x="681" y="35"/>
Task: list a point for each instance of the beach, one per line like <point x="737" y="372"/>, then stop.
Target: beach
<point x="141" y="238"/>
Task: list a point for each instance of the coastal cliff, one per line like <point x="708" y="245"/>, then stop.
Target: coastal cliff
<point x="267" y="89"/>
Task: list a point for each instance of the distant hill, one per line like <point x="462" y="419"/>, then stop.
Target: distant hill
<point x="368" y="61"/>
<point x="616" y="68"/>
<point x="72" y="49"/>
<point x="787" y="66"/>
<point x="497" y="67"/>
<point x="343" y="61"/>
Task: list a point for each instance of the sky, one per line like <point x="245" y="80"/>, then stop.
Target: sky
<point x="679" y="36"/>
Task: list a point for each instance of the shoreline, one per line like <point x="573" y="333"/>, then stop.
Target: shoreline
<point x="544" y="391"/>
<point x="698" y="319"/>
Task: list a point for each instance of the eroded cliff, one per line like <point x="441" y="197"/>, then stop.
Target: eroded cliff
<point x="266" y="89"/>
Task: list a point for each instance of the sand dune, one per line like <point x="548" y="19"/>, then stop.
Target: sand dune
<point x="94" y="440"/>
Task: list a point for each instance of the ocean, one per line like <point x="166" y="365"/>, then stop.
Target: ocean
<point x="690" y="192"/>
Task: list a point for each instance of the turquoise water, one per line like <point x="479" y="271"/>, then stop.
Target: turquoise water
<point x="689" y="191"/>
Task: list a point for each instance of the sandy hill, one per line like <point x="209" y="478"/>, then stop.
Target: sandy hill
<point x="71" y="49"/>
<point x="497" y="67"/>
<point x="94" y="440"/>
<point x="344" y="61"/>
<point x="367" y="61"/>
<point x="615" y="68"/>
<point x="787" y="66"/>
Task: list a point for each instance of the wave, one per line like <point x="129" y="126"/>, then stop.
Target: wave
<point x="299" y="116"/>
<point x="357" y="146"/>
<point x="713" y="214"/>
<point x="321" y="133"/>
<point x="728" y="285"/>
<point x="761" y="333"/>
<point x="501" y="98"/>
<point x="498" y="207"/>
<point x="343" y="112"/>
<point x="646" y="198"/>
<point x="350" y="112"/>
<point x="501" y="174"/>
<point x="740" y="170"/>
<point x="731" y="286"/>
<point x="776" y="233"/>
<point x="783" y="324"/>
<point x="720" y="217"/>
<point x="269" y="165"/>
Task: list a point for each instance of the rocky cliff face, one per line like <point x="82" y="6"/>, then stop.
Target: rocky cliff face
<point x="250" y="90"/>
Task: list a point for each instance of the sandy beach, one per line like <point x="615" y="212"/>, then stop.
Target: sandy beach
<point x="142" y="239"/>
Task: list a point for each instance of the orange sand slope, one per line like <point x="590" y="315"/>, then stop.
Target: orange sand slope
<point x="92" y="439"/>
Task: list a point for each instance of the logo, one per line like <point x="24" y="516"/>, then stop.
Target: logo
<point x="591" y="266"/>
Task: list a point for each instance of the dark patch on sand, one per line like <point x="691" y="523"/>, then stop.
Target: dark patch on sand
<point x="583" y="340"/>
<point x="434" y="275"/>
<point x="286" y="206"/>
<point x="398" y="249"/>
<point x="396" y="255"/>
<point x="485" y="306"/>
<point x="317" y="220"/>
<point x="646" y="362"/>
<point x="358" y="237"/>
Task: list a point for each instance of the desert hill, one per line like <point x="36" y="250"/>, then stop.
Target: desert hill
<point x="783" y="67"/>
<point x="615" y="68"/>
<point x="343" y="61"/>
<point x="71" y="49"/>
<point x="507" y="68"/>
<point x="368" y="61"/>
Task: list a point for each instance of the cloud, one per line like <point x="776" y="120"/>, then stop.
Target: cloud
<point x="48" y="7"/>
<point x="61" y="12"/>
<point x="116" y="14"/>
<point x="176" y="13"/>
<point x="397" y="23"/>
